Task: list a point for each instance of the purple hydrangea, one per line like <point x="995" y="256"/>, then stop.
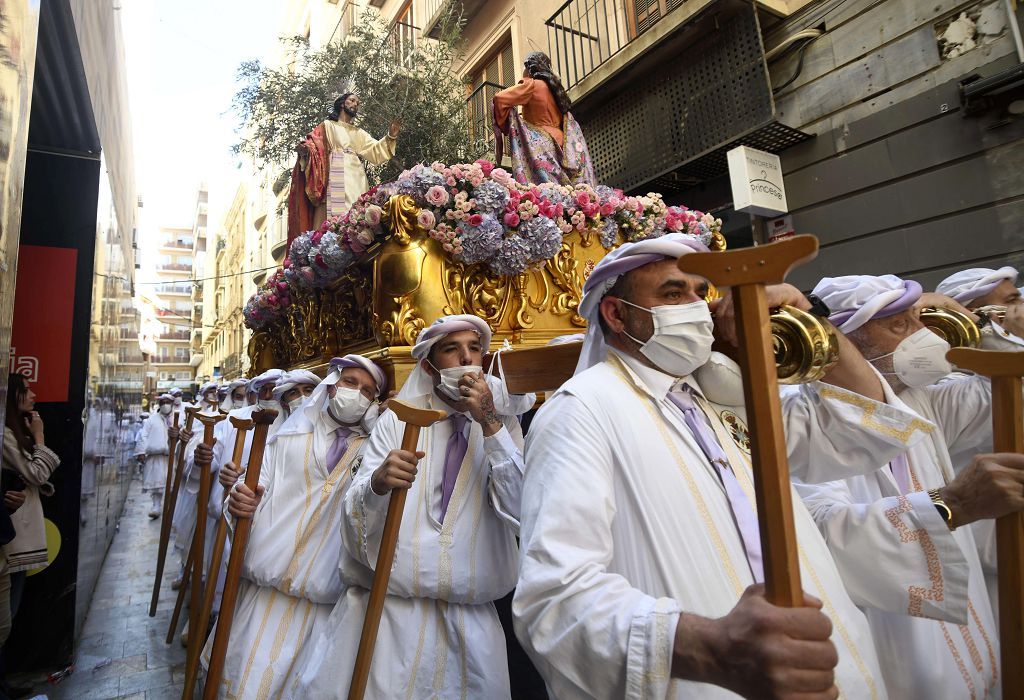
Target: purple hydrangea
<point x="543" y="237"/>
<point x="299" y="250"/>
<point x="334" y="254"/>
<point x="513" y="257"/>
<point x="609" y="232"/>
<point x="490" y="197"/>
<point x="425" y="178"/>
<point x="480" y="242"/>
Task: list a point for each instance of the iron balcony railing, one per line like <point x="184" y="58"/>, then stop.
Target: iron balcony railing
<point x="481" y="131"/>
<point x="403" y="39"/>
<point x="584" y="34"/>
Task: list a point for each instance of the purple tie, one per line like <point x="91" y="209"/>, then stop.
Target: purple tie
<point x="743" y="511"/>
<point x="338" y="447"/>
<point x="901" y="472"/>
<point x="454" y="453"/>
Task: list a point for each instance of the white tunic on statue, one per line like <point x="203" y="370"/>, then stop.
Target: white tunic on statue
<point x="439" y="632"/>
<point x="290" y="577"/>
<point x="921" y="586"/>
<point x="626" y="525"/>
<point x="152" y="442"/>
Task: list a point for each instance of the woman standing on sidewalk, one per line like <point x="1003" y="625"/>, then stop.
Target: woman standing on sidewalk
<point x="28" y="460"/>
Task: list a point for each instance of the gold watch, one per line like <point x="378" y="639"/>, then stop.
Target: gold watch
<point x="940" y="505"/>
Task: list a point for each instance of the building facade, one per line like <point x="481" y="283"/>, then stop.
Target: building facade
<point x="172" y="298"/>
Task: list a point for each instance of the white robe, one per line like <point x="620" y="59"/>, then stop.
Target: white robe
<point x="625" y="525"/>
<point x="347" y="143"/>
<point x="921" y="586"/>
<point x="152" y="442"/>
<point x="290" y="578"/>
<point x="439" y="633"/>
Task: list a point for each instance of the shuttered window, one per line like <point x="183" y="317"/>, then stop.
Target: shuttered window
<point x="498" y="72"/>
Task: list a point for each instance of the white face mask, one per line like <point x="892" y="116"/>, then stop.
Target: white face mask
<point x="348" y="405"/>
<point x="294" y="404"/>
<point x="165" y="409"/>
<point x="920" y="359"/>
<point x="450" y="377"/>
<point x="682" y="338"/>
<point x="268" y="403"/>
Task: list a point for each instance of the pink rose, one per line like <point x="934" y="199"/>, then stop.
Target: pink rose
<point x="511" y="219"/>
<point x="365" y="236"/>
<point x="607" y="209"/>
<point x="529" y="197"/>
<point x="475" y="220"/>
<point x="425" y="218"/>
<point x="451" y="181"/>
<point x="485" y="165"/>
<point x="315" y="238"/>
<point x="282" y="286"/>
<point x="320" y="260"/>
<point x="582" y="198"/>
<point x="436" y="196"/>
<point x="272" y="300"/>
<point x="590" y="209"/>
<point x="501" y="176"/>
<point x="373" y="214"/>
<point x="287" y="263"/>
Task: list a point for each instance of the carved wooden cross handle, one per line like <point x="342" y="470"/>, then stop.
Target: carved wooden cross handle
<point x="746" y="271"/>
<point x="1006" y="370"/>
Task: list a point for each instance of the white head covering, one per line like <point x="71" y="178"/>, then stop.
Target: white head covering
<point x="165" y="397"/>
<point x="271" y="376"/>
<point x="856" y="299"/>
<point x="625" y="258"/>
<point x="564" y="339"/>
<point x="420" y="382"/>
<point x="205" y="388"/>
<point x="303" y="420"/>
<point x="144" y="415"/>
<point x="967" y="285"/>
<point x="295" y="378"/>
<point x="228" y="402"/>
<point x="175" y="392"/>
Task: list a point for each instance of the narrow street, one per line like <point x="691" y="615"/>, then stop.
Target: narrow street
<point x="118" y="626"/>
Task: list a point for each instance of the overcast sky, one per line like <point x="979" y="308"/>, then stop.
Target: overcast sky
<point x="182" y="60"/>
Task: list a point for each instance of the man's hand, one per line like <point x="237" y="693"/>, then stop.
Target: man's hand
<point x="991" y="486"/>
<point x="776" y="295"/>
<point x="397" y="472"/>
<point x="1013" y="321"/>
<point x="14" y="500"/>
<point x="941" y="301"/>
<point x="479" y="402"/>
<point x="242" y="502"/>
<point x="186" y="435"/>
<point x="204" y="454"/>
<point x="396" y="126"/>
<point x="229" y="474"/>
<point x="760" y="650"/>
<point x="302" y="148"/>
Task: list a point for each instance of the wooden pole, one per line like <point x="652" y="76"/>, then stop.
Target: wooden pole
<point x="746" y="271"/>
<point x="414" y="419"/>
<point x="196" y="642"/>
<point x="199" y="531"/>
<point x="179" y="601"/>
<point x="170" y="499"/>
<point x="1006" y="370"/>
<point x="262" y="420"/>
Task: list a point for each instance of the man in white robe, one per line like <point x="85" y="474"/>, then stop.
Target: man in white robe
<point x="640" y="548"/>
<point x="439" y="632"/>
<point x="895" y="533"/>
<point x="151" y="451"/>
<point x="290" y="577"/>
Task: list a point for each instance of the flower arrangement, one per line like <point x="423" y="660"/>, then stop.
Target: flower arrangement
<point x="479" y="214"/>
<point x="269" y="303"/>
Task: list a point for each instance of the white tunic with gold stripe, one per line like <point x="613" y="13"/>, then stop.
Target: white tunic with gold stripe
<point x="290" y="574"/>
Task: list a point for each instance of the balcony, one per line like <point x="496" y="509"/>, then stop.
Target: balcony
<point x="178" y="243"/>
<point x="278" y="250"/>
<point x="402" y="40"/>
<point x="170" y="360"/>
<point x="666" y="87"/>
<point x="182" y="289"/>
<point x="129" y="334"/>
<point x="434" y="11"/>
<point x="481" y="133"/>
<point x="176" y="335"/>
<point x="174" y="267"/>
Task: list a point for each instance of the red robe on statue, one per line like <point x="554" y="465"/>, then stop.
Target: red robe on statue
<point x="308" y="186"/>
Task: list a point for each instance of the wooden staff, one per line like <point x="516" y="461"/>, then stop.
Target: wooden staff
<point x="262" y="419"/>
<point x="195" y="641"/>
<point x="746" y="271"/>
<point x="414" y="419"/>
<point x="170" y="499"/>
<point x="179" y="601"/>
<point x="1006" y="370"/>
<point x="199" y="531"/>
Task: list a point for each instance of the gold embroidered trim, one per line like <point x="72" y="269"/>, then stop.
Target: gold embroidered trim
<point x="417" y="659"/>
<point x="870" y="408"/>
<point x="993" y="664"/>
<point x="918" y="594"/>
<point x="256" y="644"/>
<point x="968" y="681"/>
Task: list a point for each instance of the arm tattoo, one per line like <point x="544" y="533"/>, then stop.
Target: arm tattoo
<point x="490" y="414"/>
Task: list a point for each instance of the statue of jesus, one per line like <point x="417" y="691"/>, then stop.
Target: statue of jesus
<point x="329" y="176"/>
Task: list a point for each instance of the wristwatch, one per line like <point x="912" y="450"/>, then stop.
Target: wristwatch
<point x="940" y="505"/>
<point x="818" y="307"/>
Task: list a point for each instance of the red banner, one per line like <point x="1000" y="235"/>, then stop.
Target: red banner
<point x="44" y="305"/>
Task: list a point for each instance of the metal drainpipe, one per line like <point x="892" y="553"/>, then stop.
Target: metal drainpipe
<point x="1011" y="18"/>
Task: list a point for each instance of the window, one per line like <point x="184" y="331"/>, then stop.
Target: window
<point x="403" y="35"/>
<point x="496" y="73"/>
